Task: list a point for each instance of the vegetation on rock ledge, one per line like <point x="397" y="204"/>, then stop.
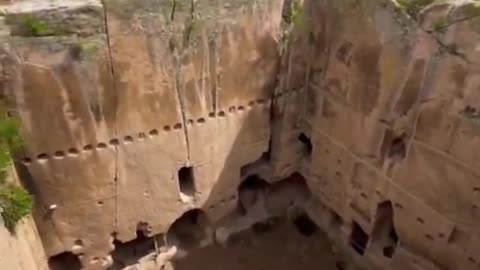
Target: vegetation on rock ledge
<point x="30" y="25"/>
<point x="413" y="7"/>
<point x="15" y="201"/>
<point x="292" y="18"/>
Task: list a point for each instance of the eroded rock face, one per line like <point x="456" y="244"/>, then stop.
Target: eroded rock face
<point x="136" y="112"/>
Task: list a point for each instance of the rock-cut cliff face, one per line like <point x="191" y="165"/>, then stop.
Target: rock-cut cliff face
<point x="184" y="121"/>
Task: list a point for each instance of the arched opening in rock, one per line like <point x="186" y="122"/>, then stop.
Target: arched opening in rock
<point x="398" y="149"/>
<point x="306" y="142"/>
<point x="250" y="191"/>
<point x="358" y="238"/>
<point x="384" y="235"/>
<point x="393" y="146"/>
<point x="65" y="260"/>
<point x="190" y="231"/>
<point x="128" y="253"/>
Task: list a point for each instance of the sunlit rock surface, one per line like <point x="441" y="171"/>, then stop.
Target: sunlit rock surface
<point x="177" y="124"/>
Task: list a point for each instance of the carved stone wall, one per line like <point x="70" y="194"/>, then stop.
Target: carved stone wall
<point x="137" y="112"/>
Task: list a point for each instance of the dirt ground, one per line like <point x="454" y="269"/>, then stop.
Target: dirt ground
<point x="278" y="247"/>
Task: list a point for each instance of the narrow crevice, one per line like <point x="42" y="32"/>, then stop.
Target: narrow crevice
<point x="212" y="51"/>
<point x="178" y="53"/>
<point x="172" y="12"/>
<point x="308" y="99"/>
<point x="189" y="26"/>
<point x="184" y="117"/>
<point x="424" y="91"/>
<point x="115" y="106"/>
<point x="180" y="98"/>
<point x="267" y="155"/>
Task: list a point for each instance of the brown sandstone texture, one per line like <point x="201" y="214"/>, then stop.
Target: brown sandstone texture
<point x="185" y="122"/>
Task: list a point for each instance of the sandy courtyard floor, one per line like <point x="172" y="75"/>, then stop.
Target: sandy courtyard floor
<point x="281" y="247"/>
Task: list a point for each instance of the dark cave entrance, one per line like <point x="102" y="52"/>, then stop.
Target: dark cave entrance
<point x="307" y="143"/>
<point x="128" y="253"/>
<point x="250" y="192"/>
<point x="398" y="149"/>
<point x="65" y="260"/>
<point x="190" y="230"/>
<point x="358" y="239"/>
<point x="304" y="224"/>
<point x="394" y="146"/>
<point x="384" y="235"/>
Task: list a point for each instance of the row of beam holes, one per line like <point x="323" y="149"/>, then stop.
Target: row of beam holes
<point x="422" y="222"/>
<point x="338" y="174"/>
<point x="73" y="152"/>
<point x="419" y="220"/>
<point x="141" y="136"/>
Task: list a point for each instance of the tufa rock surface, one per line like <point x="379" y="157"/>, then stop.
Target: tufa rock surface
<point x="157" y="118"/>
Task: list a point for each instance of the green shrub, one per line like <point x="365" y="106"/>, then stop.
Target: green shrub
<point x="16" y="203"/>
<point x="9" y="134"/>
<point x="35" y="27"/>
<point x="293" y="19"/>
<point x="296" y="13"/>
<point x="29" y="25"/>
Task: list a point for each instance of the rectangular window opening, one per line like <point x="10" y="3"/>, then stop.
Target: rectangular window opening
<point x="186" y="181"/>
<point x="358" y="239"/>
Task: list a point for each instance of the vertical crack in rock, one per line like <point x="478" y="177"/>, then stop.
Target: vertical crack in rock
<point x="182" y="106"/>
<point x="425" y="88"/>
<point x="115" y="106"/>
<point x="189" y="26"/>
<point x="179" y="53"/>
<point x="338" y="173"/>
<point x="212" y="54"/>
<point x="172" y="12"/>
